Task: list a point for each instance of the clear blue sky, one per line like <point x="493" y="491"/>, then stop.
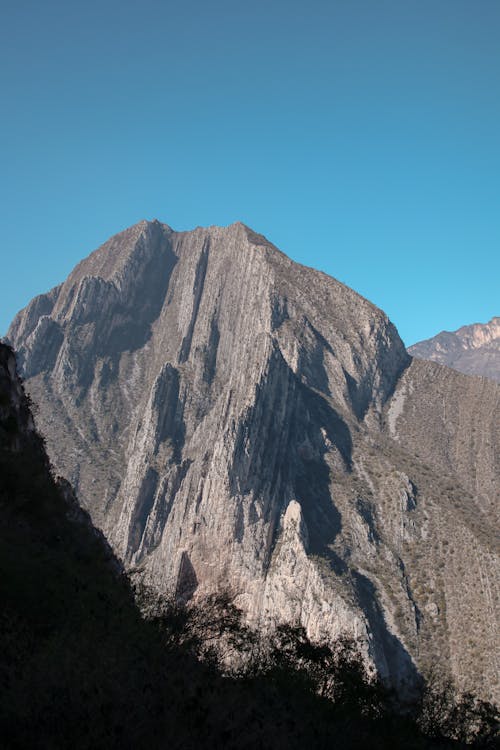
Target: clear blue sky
<point x="360" y="136"/>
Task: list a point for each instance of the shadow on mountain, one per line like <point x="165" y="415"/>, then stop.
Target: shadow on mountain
<point x="81" y="668"/>
<point x="143" y="300"/>
<point x="280" y="450"/>
<point x="199" y="284"/>
<point x="391" y="658"/>
<point x="107" y="321"/>
<point x="280" y="455"/>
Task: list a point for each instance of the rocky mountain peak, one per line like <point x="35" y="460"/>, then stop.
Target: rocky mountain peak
<point x="472" y="349"/>
<point x="479" y="334"/>
<point x="235" y="421"/>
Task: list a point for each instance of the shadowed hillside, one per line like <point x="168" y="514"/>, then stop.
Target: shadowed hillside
<point x="80" y="667"/>
<point x="233" y="420"/>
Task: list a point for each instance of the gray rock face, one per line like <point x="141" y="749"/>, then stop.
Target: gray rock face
<point x="473" y="349"/>
<point x="233" y="420"/>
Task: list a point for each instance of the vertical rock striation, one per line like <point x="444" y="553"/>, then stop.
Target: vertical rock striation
<point x="233" y="420"/>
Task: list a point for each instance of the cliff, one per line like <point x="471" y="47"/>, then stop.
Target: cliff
<point x="235" y="421"/>
<point x="474" y="349"/>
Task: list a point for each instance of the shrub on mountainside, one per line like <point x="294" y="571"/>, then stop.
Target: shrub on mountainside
<point x="81" y="667"/>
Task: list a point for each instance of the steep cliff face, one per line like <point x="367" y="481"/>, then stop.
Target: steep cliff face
<point x="233" y="420"/>
<point x="473" y="349"/>
<point x="98" y="675"/>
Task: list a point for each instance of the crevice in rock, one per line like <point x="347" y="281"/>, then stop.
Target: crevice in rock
<point x="187" y="581"/>
<point x="279" y="310"/>
<point x="199" y="283"/>
<point x="169" y="408"/>
<point x="280" y="452"/>
<point x="211" y="352"/>
<point x="142" y="508"/>
<point x="392" y="660"/>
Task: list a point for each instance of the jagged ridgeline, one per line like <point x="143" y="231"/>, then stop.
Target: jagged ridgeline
<point x="234" y="421"/>
<point x="473" y="349"/>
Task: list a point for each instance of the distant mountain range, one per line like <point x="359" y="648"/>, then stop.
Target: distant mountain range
<point x="234" y="421"/>
<point x="473" y="349"/>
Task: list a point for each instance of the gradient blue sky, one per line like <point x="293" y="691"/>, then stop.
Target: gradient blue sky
<point x="360" y="136"/>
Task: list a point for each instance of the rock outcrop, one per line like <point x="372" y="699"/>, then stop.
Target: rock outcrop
<point x="233" y="420"/>
<point x="474" y="349"/>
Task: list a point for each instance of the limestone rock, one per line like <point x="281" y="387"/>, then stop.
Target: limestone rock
<point x="235" y="421"/>
<point x="473" y="349"/>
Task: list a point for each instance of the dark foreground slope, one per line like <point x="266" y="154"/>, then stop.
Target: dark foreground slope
<point x="233" y="420"/>
<point x="80" y="668"/>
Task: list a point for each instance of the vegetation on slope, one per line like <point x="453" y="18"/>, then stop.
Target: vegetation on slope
<point x="80" y="666"/>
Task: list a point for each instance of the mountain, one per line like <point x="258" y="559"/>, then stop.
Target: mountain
<point x="99" y="675"/>
<point x="234" y="421"/>
<point x="66" y="608"/>
<point x="474" y="349"/>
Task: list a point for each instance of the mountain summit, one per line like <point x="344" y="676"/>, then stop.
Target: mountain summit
<point x="473" y="349"/>
<point x="235" y="421"/>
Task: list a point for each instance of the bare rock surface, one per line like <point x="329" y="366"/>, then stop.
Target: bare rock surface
<point x="233" y="420"/>
<point x="473" y="349"/>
